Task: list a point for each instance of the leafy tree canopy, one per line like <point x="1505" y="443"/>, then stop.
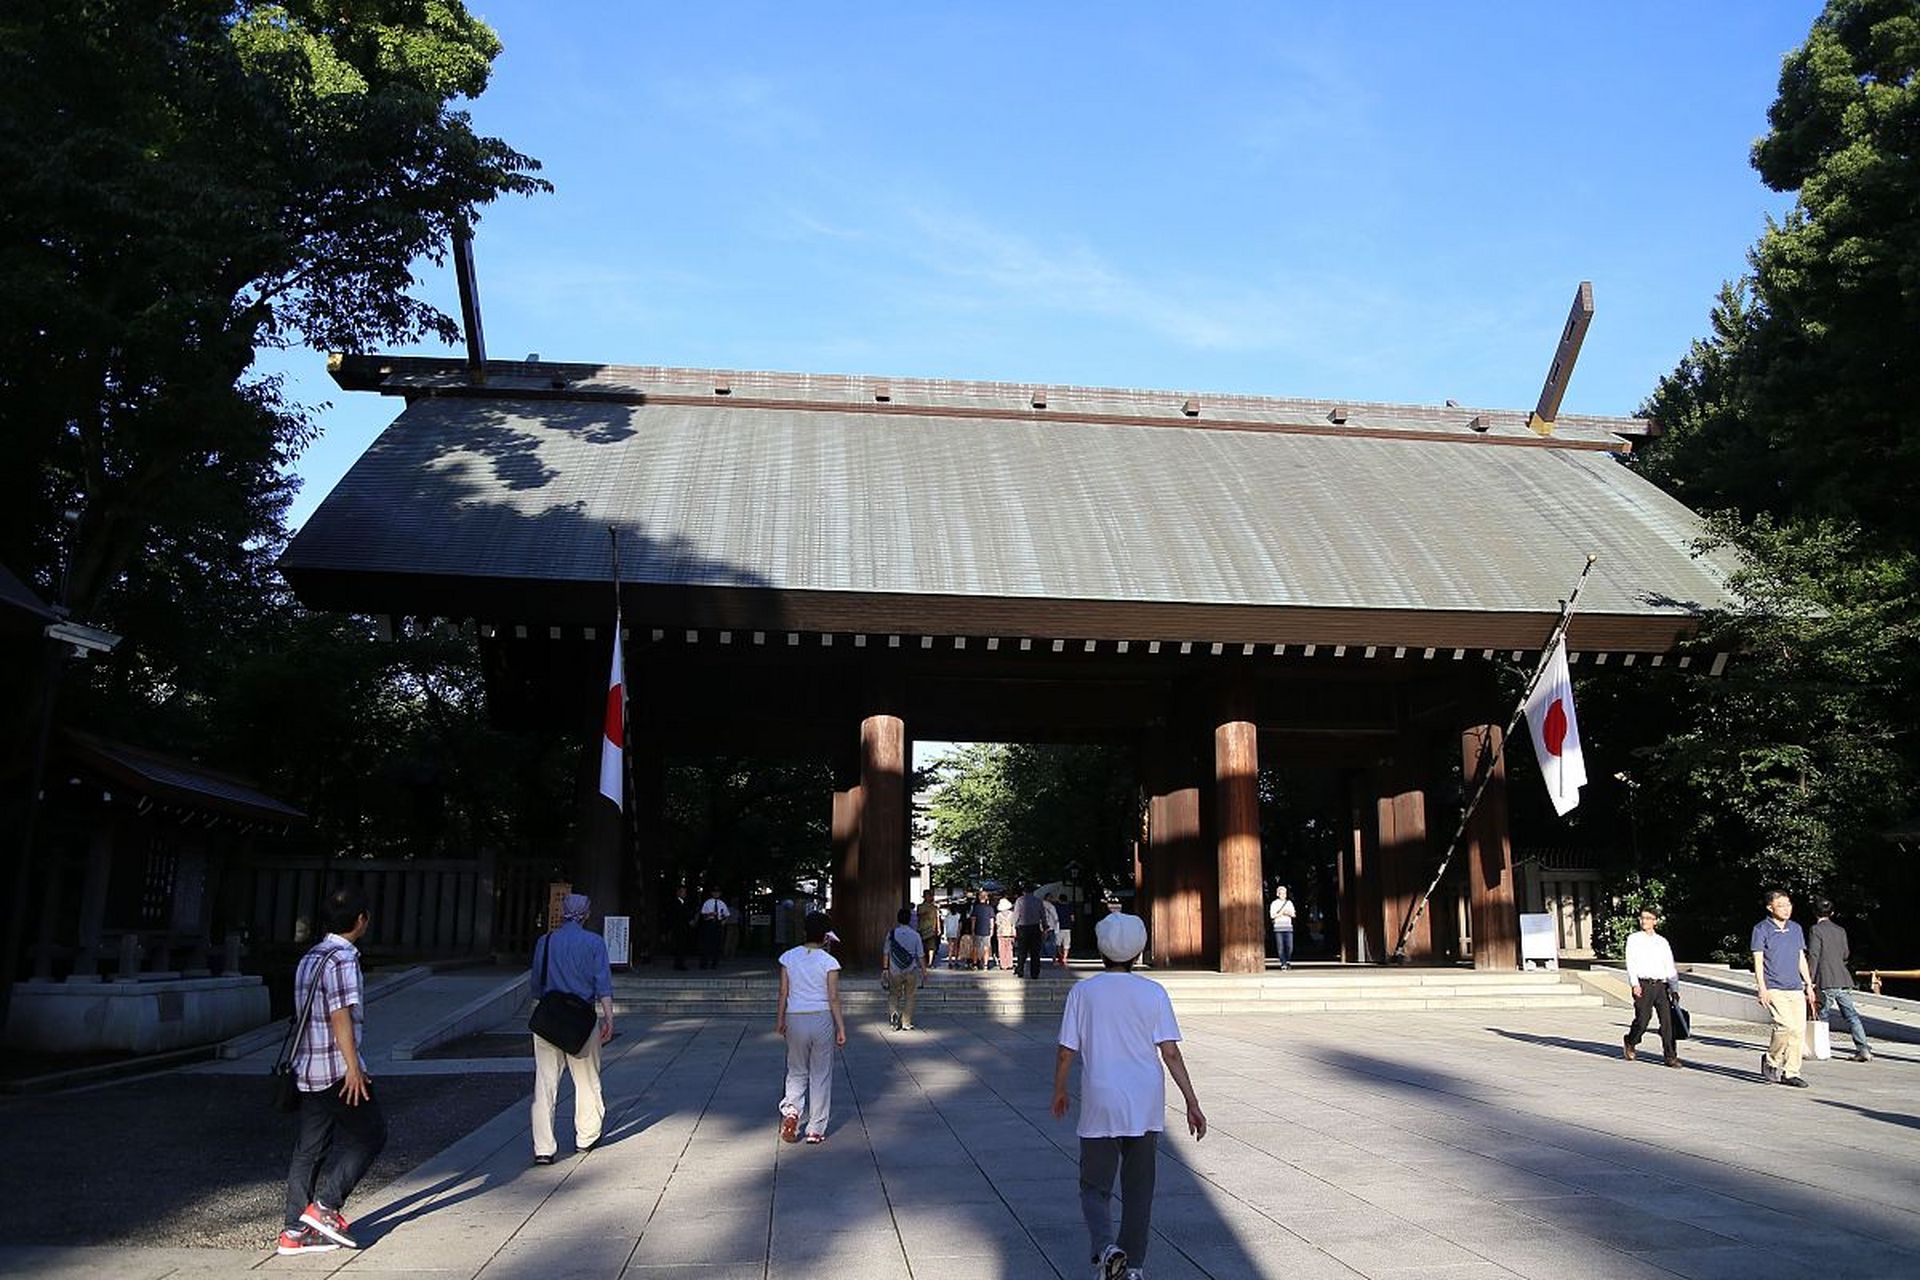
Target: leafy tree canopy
<point x="1794" y="420"/>
<point x="1027" y="813"/>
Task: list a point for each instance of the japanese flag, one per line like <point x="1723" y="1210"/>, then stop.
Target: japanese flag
<point x="1556" y="734"/>
<point x="614" y="737"/>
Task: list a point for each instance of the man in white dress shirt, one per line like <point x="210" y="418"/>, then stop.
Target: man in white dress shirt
<point x="1651" y="970"/>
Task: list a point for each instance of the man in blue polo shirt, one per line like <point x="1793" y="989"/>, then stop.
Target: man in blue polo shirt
<point x="1785" y="989"/>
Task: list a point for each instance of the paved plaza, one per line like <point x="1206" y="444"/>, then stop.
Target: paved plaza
<point x="1457" y="1145"/>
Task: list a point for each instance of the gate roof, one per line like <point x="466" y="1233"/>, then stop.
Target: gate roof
<point x="857" y="504"/>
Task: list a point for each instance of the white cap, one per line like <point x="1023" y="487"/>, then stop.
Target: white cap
<point x="1121" y="937"/>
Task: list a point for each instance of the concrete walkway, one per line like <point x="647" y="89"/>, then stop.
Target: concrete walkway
<point x="1436" y="1145"/>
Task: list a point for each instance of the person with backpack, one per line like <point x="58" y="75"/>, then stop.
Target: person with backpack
<point x="901" y="970"/>
<point x="341" y="1128"/>
<point x="1121" y="1028"/>
<point x="573" y="960"/>
<point x="810" y="1021"/>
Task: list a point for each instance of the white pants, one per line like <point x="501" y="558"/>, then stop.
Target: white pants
<point x="809" y="1069"/>
<point x="589" y="1110"/>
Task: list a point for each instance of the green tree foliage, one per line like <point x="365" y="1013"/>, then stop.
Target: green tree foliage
<point x="182" y="182"/>
<point x="1025" y="812"/>
<point x="1794" y="420"/>
<point x="748" y="825"/>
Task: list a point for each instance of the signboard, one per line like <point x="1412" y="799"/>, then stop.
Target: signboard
<point x="556" y="893"/>
<point x="1539" y="939"/>
<point x="615" y="929"/>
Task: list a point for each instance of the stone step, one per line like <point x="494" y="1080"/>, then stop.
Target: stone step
<point x="1188" y="1007"/>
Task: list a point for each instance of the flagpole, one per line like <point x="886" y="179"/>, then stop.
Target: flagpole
<point x="631" y="809"/>
<point x="1491" y="756"/>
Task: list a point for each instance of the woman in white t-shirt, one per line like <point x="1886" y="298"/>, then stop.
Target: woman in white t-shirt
<point x="809" y="1017"/>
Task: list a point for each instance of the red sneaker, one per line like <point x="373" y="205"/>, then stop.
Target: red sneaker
<point x="330" y="1224"/>
<point x="303" y="1239"/>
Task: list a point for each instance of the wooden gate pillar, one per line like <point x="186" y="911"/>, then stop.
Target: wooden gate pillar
<point x="1236" y="779"/>
<point x="870" y="835"/>
<point x="1494" y="906"/>
<point x="1182" y="873"/>
<point x="1401" y="849"/>
<point x="1359" y="879"/>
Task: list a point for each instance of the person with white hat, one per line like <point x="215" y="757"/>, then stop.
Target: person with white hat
<point x="1121" y="1027"/>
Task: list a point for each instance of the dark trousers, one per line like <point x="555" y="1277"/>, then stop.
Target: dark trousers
<point x="1651" y="1000"/>
<point x="336" y="1146"/>
<point x="710" y="936"/>
<point x="1133" y="1160"/>
<point x="1026" y="950"/>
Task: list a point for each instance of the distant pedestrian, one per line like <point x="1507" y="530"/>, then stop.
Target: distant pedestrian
<point x="1121" y="1027"/>
<point x="1785" y="989"/>
<point x="1049" y="927"/>
<point x="1064" y="910"/>
<point x="1656" y="983"/>
<point x="573" y="960"/>
<point x="712" y="925"/>
<point x="901" y="971"/>
<point x="963" y="943"/>
<point x="1827" y="955"/>
<point x="809" y="1018"/>
<point x="1003" y="935"/>
<point x="983" y="930"/>
<point x="1280" y="916"/>
<point x="927" y="921"/>
<point x="1029" y="918"/>
<point x="676" y="924"/>
<point x="341" y="1128"/>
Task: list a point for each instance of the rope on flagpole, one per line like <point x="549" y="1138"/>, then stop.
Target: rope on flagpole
<point x="1490" y="759"/>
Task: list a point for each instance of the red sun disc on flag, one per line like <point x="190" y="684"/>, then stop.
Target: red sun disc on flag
<point x="1553" y="728"/>
<point x="613" y="714"/>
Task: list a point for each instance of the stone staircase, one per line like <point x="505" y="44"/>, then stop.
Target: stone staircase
<point x="1000" y="996"/>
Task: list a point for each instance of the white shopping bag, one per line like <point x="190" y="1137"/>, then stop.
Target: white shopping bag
<point x="1819" y="1038"/>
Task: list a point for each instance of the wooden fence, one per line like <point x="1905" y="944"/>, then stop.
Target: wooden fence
<point x="1553" y="881"/>
<point x="430" y="908"/>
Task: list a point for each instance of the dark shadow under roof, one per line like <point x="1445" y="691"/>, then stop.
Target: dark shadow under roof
<point x="176" y="782"/>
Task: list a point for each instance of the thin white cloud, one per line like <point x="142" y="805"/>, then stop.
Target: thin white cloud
<point x="747" y="108"/>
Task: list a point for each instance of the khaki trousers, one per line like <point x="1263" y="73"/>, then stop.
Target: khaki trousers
<point x="589" y="1110"/>
<point x="1789" y="1042"/>
<point x="903" y="992"/>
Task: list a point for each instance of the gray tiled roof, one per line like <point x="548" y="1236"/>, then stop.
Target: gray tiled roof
<point x="711" y="491"/>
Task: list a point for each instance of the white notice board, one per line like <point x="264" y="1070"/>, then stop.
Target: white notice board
<point x="1539" y="938"/>
<point x="619" y="939"/>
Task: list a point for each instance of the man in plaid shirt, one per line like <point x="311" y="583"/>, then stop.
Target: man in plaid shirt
<point x="341" y="1128"/>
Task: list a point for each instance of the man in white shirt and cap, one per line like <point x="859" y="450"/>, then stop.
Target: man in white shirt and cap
<point x="1655" y="979"/>
<point x="1121" y="1027"/>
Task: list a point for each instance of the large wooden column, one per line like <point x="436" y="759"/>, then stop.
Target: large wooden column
<point x="1494" y="907"/>
<point x="1359" y="876"/>
<point x="870" y="838"/>
<point x="1236" y="780"/>
<point x="1182" y="873"/>
<point x="1405" y="860"/>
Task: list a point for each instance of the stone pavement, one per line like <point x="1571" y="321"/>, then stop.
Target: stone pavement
<point x="1452" y="1145"/>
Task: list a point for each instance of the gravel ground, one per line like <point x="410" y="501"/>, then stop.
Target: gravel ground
<point x="197" y="1160"/>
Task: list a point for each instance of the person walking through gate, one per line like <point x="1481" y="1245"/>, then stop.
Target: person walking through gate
<point x="963" y="945"/>
<point x="1122" y="1029"/>
<point x="983" y="931"/>
<point x="573" y="960"/>
<point x="1656" y="983"/>
<point x="1827" y="955"/>
<point x="1280" y="915"/>
<point x="927" y="921"/>
<point x="713" y="926"/>
<point x="901" y="971"/>
<point x="1063" y="911"/>
<point x="809" y="1019"/>
<point x="1003" y="935"/>
<point x="1029" y="918"/>
<point x="341" y="1128"/>
<point x="1049" y="928"/>
<point x="1785" y="989"/>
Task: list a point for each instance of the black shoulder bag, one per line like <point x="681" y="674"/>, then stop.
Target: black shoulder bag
<point x="285" y="1085"/>
<point x="1682" y="1021"/>
<point x="561" y="1018"/>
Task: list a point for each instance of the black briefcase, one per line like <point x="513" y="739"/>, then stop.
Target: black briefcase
<point x="1682" y="1020"/>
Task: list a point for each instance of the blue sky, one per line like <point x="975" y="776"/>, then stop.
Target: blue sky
<point x="1385" y="201"/>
